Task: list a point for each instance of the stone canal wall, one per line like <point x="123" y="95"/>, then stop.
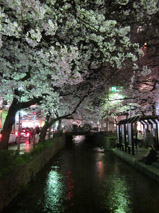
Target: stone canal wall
<point x="14" y="183"/>
<point x="106" y="142"/>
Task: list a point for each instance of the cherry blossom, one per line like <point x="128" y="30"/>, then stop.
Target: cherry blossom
<point x="46" y="45"/>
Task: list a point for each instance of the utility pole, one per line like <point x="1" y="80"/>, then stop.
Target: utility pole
<point x="19" y="132"/>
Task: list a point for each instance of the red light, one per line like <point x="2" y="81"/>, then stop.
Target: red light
<point x="16" y="133"/>
<point x="0" y="136"/>
<point x="28" y="134"/>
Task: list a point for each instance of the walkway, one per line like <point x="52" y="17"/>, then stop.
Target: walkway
<point x="150" y="170"/>
<point x="24" y="147"/>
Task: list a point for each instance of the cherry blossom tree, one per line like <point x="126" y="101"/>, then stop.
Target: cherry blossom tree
<point x="65" y="110"/>
<point x="142" y="94"/>
<point x="45" y="45"/>
<point x="23" y="66"/>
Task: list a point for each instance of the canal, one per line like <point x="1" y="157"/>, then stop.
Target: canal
<point x="85" y="179"/>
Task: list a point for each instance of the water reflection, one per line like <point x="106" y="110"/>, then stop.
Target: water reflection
<point x="70" y="187"/>
<point x="84" y="179"/>
<point x="100" y="164"/>
<point x="78" y="138"/>
<point x="119" y="199"/>
<point x="100" y="169"/>
<point x="54" y="193"/>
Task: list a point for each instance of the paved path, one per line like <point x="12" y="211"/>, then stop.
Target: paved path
<point x="24" y="147"/>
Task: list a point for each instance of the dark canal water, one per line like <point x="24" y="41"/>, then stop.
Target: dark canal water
<point x="83" y="179"/>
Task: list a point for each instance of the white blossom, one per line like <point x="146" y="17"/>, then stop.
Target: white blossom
<point x="122" y="2"/>
<point x="33" y="37"/>
<point x="60" y="42"/>
<point x="150" y="6"/>
<point x="132" y="56"/>
<point x="123" y="31"/>
<point x="145" y="71"/>
<point x="50" y="27"/>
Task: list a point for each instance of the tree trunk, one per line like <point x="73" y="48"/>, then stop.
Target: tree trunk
<point x="10" y="119"/>
<point x="7" y="128"/>
<point x="47" y="125"/>
<point x="59" y="125"/>
<point x="153" y="110"/>
<point x="50" y="122"/>
<point x="43" y="132"/>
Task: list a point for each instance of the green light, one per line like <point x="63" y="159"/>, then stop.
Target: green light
<point x="115" y="89"/>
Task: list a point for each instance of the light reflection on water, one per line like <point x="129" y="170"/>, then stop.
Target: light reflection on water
<point x="78" y="138"/>
<point x="88" y="180"/>
<point x="70" y="186"/>
<point x="119" y="199"/>
<point x="60" y="190"/>
<point x="54" y="192"/>
<point x="116" y="192"/>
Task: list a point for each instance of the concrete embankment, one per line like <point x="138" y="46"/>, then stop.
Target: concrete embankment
<point x="14" y="182"/>
<point x="150" y="170"/>
<point x="109" y="143"/>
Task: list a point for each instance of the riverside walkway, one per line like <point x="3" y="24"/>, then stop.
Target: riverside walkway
<point x="149" y="170"/>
